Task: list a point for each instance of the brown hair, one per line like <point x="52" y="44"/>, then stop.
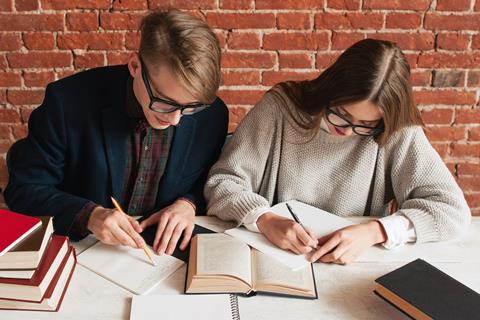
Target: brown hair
<point x="373" y="70"/>
<point x="187" y="45"/>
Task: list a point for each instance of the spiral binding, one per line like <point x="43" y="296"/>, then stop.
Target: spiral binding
<point x="234" y="307"/>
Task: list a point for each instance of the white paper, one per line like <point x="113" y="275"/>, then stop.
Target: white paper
<point x="128" y="267"/>
<point x="181" y="307"/>
<point x="320" y="221"/>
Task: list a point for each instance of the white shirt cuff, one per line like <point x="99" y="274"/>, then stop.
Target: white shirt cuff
<point x="250" y="221"/>
<point x="399" y="230"/>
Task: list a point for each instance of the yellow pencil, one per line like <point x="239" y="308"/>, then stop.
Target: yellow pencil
<point x="145" y="249"/>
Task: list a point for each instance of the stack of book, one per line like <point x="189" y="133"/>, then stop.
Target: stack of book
<point x="35" y="265"/>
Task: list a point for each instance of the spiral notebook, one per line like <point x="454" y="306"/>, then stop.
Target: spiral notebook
<point x="184" y="307"/>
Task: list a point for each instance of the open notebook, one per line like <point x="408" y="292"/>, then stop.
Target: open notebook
<point x="128" y="267"/>
<point x="182" y="307"/>
<point x="320" y="221"/>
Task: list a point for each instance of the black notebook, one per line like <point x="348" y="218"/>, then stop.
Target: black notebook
<point x="422" y="291"/>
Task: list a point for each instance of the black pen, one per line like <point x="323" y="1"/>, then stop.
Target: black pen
<point x="295" y="217"/>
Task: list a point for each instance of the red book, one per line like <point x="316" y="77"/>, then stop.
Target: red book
<point x="14" y="227"/>
<point x="34" y="289"/>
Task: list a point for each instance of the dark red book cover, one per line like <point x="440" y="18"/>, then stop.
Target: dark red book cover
<point x="14" y="227"/>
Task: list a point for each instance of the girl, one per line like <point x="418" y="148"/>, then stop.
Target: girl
<point x="350" y="142"/>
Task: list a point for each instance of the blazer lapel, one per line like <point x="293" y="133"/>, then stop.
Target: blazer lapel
<point x="116" y="131"/>
<point x="179" y="155"/>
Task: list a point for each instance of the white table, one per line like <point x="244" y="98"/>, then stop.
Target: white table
<point x="345" y="292"/>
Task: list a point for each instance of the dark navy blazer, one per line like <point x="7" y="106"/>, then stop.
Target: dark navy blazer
<point x="75" y="150"/>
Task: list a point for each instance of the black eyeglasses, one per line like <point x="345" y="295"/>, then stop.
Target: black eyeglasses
<point x="340" y="121"/>
<point x="166" y="106"/>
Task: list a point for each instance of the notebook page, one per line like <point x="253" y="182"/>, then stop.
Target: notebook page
<point x="128" y="267"/>
<point x="179" y="307"/>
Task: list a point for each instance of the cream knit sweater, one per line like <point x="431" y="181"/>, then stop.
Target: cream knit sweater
<point x="269" y="161"/>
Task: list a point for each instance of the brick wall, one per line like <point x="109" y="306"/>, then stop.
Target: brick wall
<point x="264" y="42"/>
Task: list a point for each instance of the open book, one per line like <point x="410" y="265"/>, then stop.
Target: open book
<point x="320" y="221"/>
<point x="219" y="263"/>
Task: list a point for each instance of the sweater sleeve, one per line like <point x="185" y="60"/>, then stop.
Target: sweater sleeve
<point x="426" y="191"/>
<point x="232" y="189"/>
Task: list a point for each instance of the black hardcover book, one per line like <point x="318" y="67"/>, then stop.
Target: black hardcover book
<point x="422" y="291"/>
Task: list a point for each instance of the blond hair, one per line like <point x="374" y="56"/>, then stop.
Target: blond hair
<point x="188" y="46"/>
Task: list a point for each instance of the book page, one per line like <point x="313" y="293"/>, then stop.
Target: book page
<point x="128" y="267"/>
<point x="320" y="221"/>
<point x="220" y="254"/>
<point x="267" y="270"/>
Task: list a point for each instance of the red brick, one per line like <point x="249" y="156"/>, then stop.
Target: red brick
<point x="473" y="79"/>
<point x="453" y="41"/>
<point x="295" y="41"/>
<point x="9" y="42"/>
<point x="441" y="148"/>
<point x="82" y="21"/>
<point x="289" y="4"/>
<point x="344" y="4"/>
<point x="130" y="5"/>
<point x="438" y="116"/>
<point x="236" y="114"/>
<point x="120" y="21"/>
<point x="471" y="150"/>
<point x="477" y="5"/>
<point x="448" y="78"/>
<point x="469" y="183"/>
<point x="77" y="4"/>
<point x="221" y="37"/>
<point x="89" y="60"/>
<point x="474" y="134"/>
<point x="295" y="60"/>
<point x="240" y="20"/>
<point x="248" y="60"/>
<point x="3" y="96"/>
<point x="453" y="5"/>
<point x="21" y="97"/>
<point x="408" y="41"/>
<point x="26" y="5"/>
<point x="242" y="97"/>
<point x="468" y="169"/>
<point x="271" y="78"/>
<point x="31" y="22"/>
<point x="39" y="41"/>
<point x="435" y="21"/>
<point x="420" y="78"/>
<point x="6" y="5"/>
<point x="20" y="131"/>
<point x="473" y="200"/>
<point x="324" y="60"/>
<point x="92" y="41"/>
<point x="114" y="58"/>
<point x="4" y="146"/>
<point x="10" y="79"/>
<point x="449" y="60"/>
<point x="132" y="40"/>
<point x="448" y="97"/>
<point x="363" y="20"/>
<point x="5" y="131"/>
<point x="38" y="78"/>
<point x="9" y="116"/>
<point x="25" y="114"/>
<point x="476" y="41"/>
<point x="412" y="59"/>
<point x="243" y="40"/>
<point x="417" y="5"/>
<point x="293" y="20"/>
<point x="236" y="4"/>
<point x="182" y="4"/>
<point x="343" y="40"/>
<point x="447" y="134"/>
<point x="3" y="61"/>
<point x="39" y="59"/>
<point x="403" y="20"/>
<point x="468" y="116"/>
<point x="236" y="78"/>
